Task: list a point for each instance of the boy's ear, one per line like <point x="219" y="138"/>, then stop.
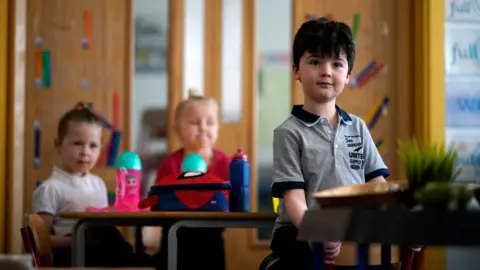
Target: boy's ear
<point x="57" y="142"/>
<point x="349" y="75"/>
<point x="295" y="73"/>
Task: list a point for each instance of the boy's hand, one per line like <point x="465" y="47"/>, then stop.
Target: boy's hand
<point x="416" y="248"/>
<point x="332" y="249"/>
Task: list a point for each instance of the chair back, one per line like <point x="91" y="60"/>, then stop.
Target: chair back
<point x="40" y="239"/>
<point x="28" y="243"/>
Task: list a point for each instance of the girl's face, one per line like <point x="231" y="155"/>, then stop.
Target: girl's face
<point x="198" y="125"/>
<point x="80" y="148"/>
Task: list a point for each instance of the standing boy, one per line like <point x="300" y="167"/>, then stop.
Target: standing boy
<point x="319" y="146"/>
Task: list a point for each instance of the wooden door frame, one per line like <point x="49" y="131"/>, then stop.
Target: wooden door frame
<point x="16" y="123"/>
<point x="4" y="37"/>
<point x="429" y="84"/>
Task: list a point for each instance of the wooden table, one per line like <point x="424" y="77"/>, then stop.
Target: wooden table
<point x="178" y="219"/>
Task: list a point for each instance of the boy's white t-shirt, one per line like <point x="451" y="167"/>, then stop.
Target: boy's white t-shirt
<point x="64" y="192"/>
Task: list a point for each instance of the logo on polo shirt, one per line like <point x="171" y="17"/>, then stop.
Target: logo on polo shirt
<point x="356" y="158"/>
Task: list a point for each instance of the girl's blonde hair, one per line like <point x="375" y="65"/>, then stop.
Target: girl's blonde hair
<point x="193" y="96"/>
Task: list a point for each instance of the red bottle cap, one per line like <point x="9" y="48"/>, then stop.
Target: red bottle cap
<point x="239" y="155"/>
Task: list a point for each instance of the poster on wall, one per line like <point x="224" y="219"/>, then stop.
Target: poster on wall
<point x="467" y="144"/>
<point x="462" y="10"/>
<point x="462" y="45"/>
<point x="462" y="107"/>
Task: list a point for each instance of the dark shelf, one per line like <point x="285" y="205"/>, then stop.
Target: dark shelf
<point x="393" y="226"/>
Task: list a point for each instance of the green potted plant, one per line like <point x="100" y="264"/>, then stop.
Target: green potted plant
<point x="431" y="174"/>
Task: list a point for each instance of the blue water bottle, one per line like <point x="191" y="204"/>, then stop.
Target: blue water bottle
<point x="240" y="178"/>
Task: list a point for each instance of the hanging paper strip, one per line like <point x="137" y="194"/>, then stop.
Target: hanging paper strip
<point x="87" y="22"/>
<point x="380" y="144"/>
<point x="46" y="69"/>
<point x="116" y="109"/>
<point x="38" y="70"/>
<point x="356" y="25"/>
<point x="115" y="139"/>
<point x="310" y="17"/>
<point x="37" y="140"/>
<point x="375" y="115"/>
<point x="366" y="74"/>
<point x="363" y="73"/>
<point x="113" y="148"/>
<point x="370" y="75"/>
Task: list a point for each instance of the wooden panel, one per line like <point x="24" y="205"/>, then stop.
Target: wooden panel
<point x="16" y="123"/>
<point x="105" y="65"/>
<point x="4" y="27"/>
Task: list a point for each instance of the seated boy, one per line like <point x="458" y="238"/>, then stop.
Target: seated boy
<point x="320" y="146"/>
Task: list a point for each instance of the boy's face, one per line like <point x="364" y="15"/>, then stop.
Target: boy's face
<point x="198" y="125"/>
<point x="322" y="77"/>
<point x="80" y="148"/>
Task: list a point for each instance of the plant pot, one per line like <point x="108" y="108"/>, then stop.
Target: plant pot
<point x="436" y="206"/>
<point x="407" y="198"/>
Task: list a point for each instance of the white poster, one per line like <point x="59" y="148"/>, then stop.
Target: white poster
<point x="462" y="107"/>
<point x="462" y="50"/>
<point x="467" y="144"/>
<point x="462" y="10"/>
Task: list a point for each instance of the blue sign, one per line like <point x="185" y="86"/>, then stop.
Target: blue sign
<point x="465" y="52"/>
<point x="462" y="10"/>
<point x="462" y="50"/>
<point x="467" y="145"/>
<point x="463" y="104"/>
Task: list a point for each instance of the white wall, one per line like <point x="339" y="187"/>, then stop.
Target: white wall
<point x="148" y="90"/>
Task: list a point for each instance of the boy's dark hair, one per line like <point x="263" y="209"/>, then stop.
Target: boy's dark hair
<point x="324" y="37"/>
<point x="80" y="113"/>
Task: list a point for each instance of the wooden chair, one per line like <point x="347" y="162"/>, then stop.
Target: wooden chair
<point x="36" y="239"/>
<point x="27" y="243"/>
<point x="411" y="260"/>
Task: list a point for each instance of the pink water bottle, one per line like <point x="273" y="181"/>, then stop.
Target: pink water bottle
<point x="129" y="173"/>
